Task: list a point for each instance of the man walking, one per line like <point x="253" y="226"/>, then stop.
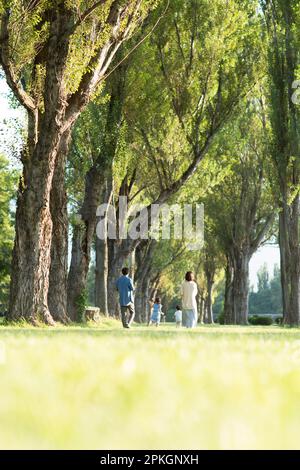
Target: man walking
<point x="125" y="288"/>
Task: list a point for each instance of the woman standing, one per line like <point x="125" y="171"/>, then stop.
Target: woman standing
<point x="189" y="291"/>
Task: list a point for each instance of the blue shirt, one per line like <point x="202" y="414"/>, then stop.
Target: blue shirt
<point x="125" y="287"/>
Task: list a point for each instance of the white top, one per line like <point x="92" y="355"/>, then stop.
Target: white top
<point x="189" y="290"/>
<point x="178" y="315"/>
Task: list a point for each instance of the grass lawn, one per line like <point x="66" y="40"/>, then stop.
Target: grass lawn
<point x="105" y="387"/>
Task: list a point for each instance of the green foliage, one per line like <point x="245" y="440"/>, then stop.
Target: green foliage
<point x="221" y="318"/>
<point x="268" y="298"/>
<point x="183" y="84"/>
<point x="8" y="183"/>
<point x="86" y="146"/>
<point x="196" y="67"/>
<point x="87" y="31"/>
<point x="260" y="320"/>
<point x="194" y="90"/>
<point x="82" y="303"/>
<point x="238" y="208"/>
<point x="283" y="42"/>
<point x="218" y="305"/>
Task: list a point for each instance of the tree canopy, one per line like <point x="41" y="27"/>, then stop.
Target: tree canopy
<point x="164" y="103"/>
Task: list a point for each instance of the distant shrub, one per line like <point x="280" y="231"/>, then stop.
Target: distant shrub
<point x="221" y="318"/>
<point x="260" y="320"/>
<point x="81" y="303"/>
<point x="279" y="321"/>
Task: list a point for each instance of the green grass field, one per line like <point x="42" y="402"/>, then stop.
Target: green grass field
<point x="105" y="387"/>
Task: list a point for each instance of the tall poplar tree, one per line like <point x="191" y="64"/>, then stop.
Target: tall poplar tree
<point x="54" y="56"/>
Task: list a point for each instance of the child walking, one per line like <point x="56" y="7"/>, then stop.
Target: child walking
<point x="155" y="312"/>
<point x="178" y="316"/>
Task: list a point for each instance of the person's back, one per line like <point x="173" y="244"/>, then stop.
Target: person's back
<point x="125" y="288"/>
<point x="189" y="291"/>
<point x="178" y="316"/>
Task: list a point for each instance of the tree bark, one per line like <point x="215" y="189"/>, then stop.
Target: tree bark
<point x="237" y="289"/>
<point x="83" y="236"/>
<point x="49" y="119"/>
<point x="229" y="313"/>
<point x="145" y="307"/>
<point x="209" y="318"/>
<point x="286" y="149"/>
<point x="142" y="297"/>
<point x="58" y="276"/>
<point x="31" y="254"/>
<point x="32" y="248"/>
<point x="119" y="253"/>
<point x="102" y="259"/>
<point x="154" y="283"/>
<point x="290" y="261"/>
<point x="139" y="302"/>
<point x="241" y="288"/>
<point x="201" y="307"/>
<point x="210" y="270"/>
<point x="101" y="274"/>
<point x="144" y="256"/>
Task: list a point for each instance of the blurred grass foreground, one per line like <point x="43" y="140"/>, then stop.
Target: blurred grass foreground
<point x="103" y="387"/>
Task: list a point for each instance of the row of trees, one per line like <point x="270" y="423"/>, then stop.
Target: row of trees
<point x="159" y="102"/>
<point x="264" y="299"/>
<point x="8" y="180"/>
<point x="267" y="299"/>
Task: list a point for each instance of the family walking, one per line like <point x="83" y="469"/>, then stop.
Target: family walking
<point x="187" y="317"/>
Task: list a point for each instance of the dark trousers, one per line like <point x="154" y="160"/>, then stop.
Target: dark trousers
<point x="128" y="313"/>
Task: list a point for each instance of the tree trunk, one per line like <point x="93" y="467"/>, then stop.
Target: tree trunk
<point x="116" y="263"/>
<point x="102" y="259"/>
<point x="31" y="254"/>
<point x="241" y="288"/>
<point x="83" y="236"/>
<point x="229" y="312"/>
<point x="119" y="255"/>
<point x="154" y="290"/>
<point x="145" y="311"/>
<point x="209" y="318"/>
<point x="283" y="67"/>
<point x="201" y="307"/>
<point x="32" y="248"/>
<point x="139" y="302"/>
<point x="101" y="274"/>
<point x="237" y="288"/>
<point x="58" y="277"/>
<point x="295" y="262"/>
<point x="290" y="261"/>
<point x="143" y="256"/>
<point x="142" y="299"/>
<point x="101" y="168"/>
